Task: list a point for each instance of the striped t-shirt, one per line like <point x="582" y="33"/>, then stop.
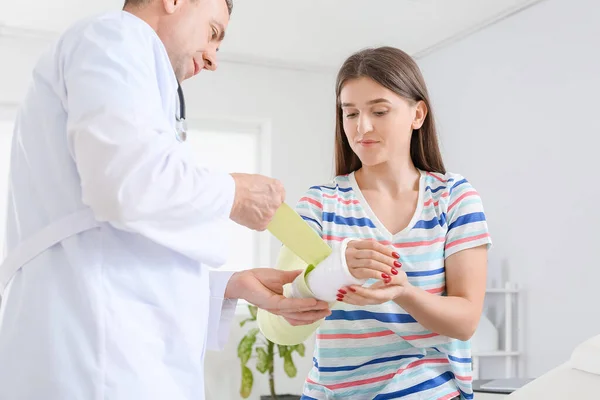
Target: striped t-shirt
<point x="381" y="352"/>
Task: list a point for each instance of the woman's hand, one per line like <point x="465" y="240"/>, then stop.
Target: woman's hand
<point x="378" y="293"/>
<point x="368" y="259"/>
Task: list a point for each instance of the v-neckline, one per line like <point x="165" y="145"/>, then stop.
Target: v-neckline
<point x="373" y="217"/>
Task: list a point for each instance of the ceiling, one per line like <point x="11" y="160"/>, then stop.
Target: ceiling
<point x="301" y="33"/>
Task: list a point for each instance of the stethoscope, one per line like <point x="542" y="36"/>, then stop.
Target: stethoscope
<point x="180" y="124"/>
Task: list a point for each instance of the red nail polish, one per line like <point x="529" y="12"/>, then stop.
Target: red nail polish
<point x="397" y="264"/>
<point x="352" y="290"/>
<point x="395" y="255"/>
<point x="340" y="298"/>
<point x="386" y="277"/>
<point x="342" y="291"/>
<point x="394" y="271"/>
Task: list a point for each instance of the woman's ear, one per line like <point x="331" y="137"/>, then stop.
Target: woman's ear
<point x="420" y="114"/>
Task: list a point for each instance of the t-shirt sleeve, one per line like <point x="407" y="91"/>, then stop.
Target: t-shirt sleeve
<point x="467" y="224"/>
<point x="310" y="208"/>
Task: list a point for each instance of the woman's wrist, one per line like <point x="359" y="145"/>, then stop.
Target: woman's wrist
<point x="407" y="294"/>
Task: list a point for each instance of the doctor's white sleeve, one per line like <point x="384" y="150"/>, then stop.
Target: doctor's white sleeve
<point x="134" y="174"/>
<point x="221" y="310"/>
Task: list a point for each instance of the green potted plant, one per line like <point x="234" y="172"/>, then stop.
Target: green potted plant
<point x="255" y="346"/>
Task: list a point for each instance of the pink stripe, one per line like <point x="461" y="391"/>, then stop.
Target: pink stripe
<point x="430" y="201"/>
<point x="312" y="201"/>
<point x="421" y="362"/>
<point x="381" y="378"/>
<point x="417" y="337"/>
<point x="465" y="240"/>
<point x="462" y="196"/>
<point x="339" y="199"/>
<point x="463" y="378"/>
<point x="421" y="243"/>
<point x="450" y="396"/>
<point x="354" y="335"/>
<point x="339" y="239"/>
<point x="396" y="245"/>
<point x="356" y="383"/>
<point x="436" y="290"/>
<point x="436" y="177"/>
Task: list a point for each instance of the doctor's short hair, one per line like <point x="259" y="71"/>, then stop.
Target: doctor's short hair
<point x="142" y="2"/>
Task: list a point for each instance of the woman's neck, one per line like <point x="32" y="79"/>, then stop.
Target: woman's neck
<point x="392" y="179"/>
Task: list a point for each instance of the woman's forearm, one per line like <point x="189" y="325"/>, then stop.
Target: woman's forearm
<point x="451" y="316"/>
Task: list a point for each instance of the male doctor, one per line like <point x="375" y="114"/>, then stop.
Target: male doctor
<point x="106" y="290"/>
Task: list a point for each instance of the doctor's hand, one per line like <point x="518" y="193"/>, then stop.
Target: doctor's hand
<point x="263" y="287"/>
<point x="257" y="197"/>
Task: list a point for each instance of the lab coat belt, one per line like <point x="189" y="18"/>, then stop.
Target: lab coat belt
<point x="42" y="240"/>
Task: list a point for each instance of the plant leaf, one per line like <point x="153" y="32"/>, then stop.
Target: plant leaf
<point x="263" y="363"/>
<point x="288" y="365"/>
<point x="245" y="347"/>
<point x="283" y="350"/>
<point x="253" y="311"/>
<point x="247" y="382"/>
<point x="246" y="320"/>
<point x="300" y="348"/>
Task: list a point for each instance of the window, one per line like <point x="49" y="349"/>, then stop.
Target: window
<point x="6" y="128"/>
<point x="235" y="148"/>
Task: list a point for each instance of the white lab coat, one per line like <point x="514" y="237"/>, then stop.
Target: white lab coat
<point x="125" y="309"/>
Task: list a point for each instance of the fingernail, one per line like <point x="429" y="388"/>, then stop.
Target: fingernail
<point x="352" y="290"/>
<point x="394" y="271"/>
<point x="397" y="264"/>
<point x="342" y="291"/>
<point x="386" y="277"/>
<point x="395" y="255"/>
<point x="340" y="298"/>
<point x="387" y="281"/>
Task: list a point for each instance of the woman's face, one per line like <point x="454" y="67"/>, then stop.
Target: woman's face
<point x="377" y="122"/>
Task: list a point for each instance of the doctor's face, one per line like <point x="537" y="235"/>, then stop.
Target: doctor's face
<point x="192" y="31"/>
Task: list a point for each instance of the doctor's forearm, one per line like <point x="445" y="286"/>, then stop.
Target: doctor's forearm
<point x="455" y="317"/>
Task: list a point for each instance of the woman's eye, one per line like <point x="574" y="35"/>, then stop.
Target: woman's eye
<point x="214" y="34"/>
<point x="351" y="115"/>
<point x="380" y="113"/>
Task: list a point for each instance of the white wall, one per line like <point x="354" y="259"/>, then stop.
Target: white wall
<point x="300" y="108"/>
<point x="518" y="106"/>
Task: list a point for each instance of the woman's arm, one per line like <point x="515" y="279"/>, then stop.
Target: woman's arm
<point x="457" y="314"/>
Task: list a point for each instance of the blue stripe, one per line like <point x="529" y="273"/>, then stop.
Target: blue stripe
<point x="361" y="314"/>
<point x="372" y="362"/>
<point x="421" y="387"/>
<point x="437" y="189"/>
<point x="348" y="221"/>
<point x="432" y="223"/>
<point x="459" y="359"/>
<point x="305" y="397"/>
<point x="457" y="184"/>
<point x="425" y="273"/>
<point x="337" y="187"/>
<point x="467" y="219"/>
<point x="313" y="221"/>
<point x="352" y="331"/>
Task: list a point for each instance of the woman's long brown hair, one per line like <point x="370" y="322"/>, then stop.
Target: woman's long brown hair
<point x="397" y="71"/>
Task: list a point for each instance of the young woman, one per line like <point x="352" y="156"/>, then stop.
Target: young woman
<point x="416" y="233"/>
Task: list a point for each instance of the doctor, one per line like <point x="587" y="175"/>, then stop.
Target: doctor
<point x="106" y="290"/>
